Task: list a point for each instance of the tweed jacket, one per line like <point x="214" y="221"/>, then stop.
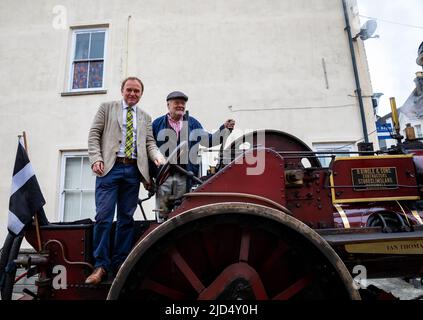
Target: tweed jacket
<point x="105" y="137"/>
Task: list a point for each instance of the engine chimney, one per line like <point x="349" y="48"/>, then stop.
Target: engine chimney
<point x="410" y="134"/>
<point x="419" y="60"/>
<point x="419" y="84"/>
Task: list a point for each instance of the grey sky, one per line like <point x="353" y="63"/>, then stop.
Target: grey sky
<point x="392" y="57"/>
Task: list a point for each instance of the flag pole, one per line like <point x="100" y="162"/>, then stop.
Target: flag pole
<point x="37" y="224"/>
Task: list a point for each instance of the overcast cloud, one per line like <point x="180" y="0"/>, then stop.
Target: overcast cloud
<point x="392" y="57"/>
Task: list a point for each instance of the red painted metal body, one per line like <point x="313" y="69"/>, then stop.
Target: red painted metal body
<point x="233" y="179"/>
<point x="68" y="246"/>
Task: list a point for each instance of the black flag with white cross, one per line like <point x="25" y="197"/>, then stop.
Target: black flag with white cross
<point x="26" y="198"/>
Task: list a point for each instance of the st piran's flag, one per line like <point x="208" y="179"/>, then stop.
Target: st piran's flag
<point x="26" y="198"/>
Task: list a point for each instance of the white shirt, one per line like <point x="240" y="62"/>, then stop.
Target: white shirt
<point x="121" y="152"/>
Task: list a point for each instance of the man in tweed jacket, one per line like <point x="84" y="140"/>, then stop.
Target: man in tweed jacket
<point x="119" y="142"/>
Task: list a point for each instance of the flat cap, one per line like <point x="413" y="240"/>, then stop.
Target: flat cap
<point x="177" y="95"/>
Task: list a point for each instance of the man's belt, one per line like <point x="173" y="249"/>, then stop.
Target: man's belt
<point x="126" y="160"/>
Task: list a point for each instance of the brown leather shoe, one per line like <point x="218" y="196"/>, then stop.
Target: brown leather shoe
<point x="96" y="277"/>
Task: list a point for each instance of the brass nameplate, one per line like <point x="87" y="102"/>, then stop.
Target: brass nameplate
<point x="388" y="247"/>
<point x="374" y="178"/>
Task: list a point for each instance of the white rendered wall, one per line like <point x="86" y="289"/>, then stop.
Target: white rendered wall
<point x="262" y="55"/>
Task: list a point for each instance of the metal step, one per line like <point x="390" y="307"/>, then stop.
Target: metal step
<point x="336" y="237"/>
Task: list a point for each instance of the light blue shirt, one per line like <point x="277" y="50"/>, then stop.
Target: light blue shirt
<point x="121" y="152"/>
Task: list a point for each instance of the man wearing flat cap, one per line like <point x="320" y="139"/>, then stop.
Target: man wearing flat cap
<point x="169" y="131"/>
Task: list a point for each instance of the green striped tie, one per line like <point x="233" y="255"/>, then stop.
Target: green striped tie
<point x="129" y="148"/>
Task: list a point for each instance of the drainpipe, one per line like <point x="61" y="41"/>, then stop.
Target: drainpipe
<point x="357" y="79"/>
<point x="127" y="46"/>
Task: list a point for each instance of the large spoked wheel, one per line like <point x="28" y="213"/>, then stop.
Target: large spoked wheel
<point x="174" y="158"/>
<point x="233" y="251"/>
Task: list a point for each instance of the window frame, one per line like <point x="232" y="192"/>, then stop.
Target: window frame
<point x="76" y="31"/>
<point x="62" y="191"/>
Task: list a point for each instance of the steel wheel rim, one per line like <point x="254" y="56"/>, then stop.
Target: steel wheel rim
<point x="215" y="210"/>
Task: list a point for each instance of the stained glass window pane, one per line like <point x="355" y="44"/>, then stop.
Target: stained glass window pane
<point x="97" y="45"/>
<point x="82" y="46"/>
<point x="96" y="75"/>
<point x="80" y="74"/>
<point x="88" y="63"/>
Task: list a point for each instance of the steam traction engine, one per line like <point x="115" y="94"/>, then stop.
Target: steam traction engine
<point x="270" y="224"/>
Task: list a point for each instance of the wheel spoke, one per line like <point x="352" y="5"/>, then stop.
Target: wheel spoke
<point x="162" y="290"/>
<point x="294" y="288"/>
<point x="279" y="251"/>
<point x="210" y="249"/>
<point x="245" y="246"/>
<point x="233" y="273"/>
<point x="186" y="270"/>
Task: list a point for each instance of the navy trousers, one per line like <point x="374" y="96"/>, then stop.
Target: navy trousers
<point x="119" y="187"/>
